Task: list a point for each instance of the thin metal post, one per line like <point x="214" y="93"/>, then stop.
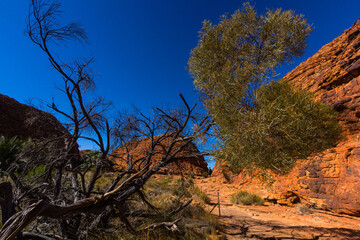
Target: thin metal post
<point x="219" y="203"/>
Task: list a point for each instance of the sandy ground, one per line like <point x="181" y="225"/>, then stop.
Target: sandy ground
<point x="275" y="221"/>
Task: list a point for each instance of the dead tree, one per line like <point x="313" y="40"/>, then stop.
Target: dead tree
<point x="128" y="183"/>
<point x="50" y="195"/>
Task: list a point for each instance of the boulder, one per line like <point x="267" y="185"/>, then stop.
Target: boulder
<point x="139" y="148"/>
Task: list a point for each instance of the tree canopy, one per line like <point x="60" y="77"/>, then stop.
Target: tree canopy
<point x="259" y="123"/>
<point x="284" y="125"/>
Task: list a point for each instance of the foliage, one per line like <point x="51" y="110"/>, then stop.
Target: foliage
<point x="90" y="159"/>
<point x="202" y="196"/>
<point x="235" y="56"/>
<point x="246" y="198"/>
<point x="9" y="149"/>
<point x="284" y="125"/>
<point x="305" y="209"/>
<point x="177" y="187"/>
<point x="268" y="127"/>
<point x="205" y="174"/>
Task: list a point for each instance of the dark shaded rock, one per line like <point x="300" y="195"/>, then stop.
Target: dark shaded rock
<point x="340" y="104"/>
<point x="354" y="69"/>
<point x="356" y="45"/>
<point x="17" y="119"/>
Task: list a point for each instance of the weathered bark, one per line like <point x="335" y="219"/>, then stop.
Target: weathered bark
<point x="168" y="225"/>
<point x="32" y="236"/>
<point x="42" y="29"/>
<point x="6" y="201"/>
<point x="93" y="204"/>
<point x="180" y="208"/>
<point x="20" y="220"/>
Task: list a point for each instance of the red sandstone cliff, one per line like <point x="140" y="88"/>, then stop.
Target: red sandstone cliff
<point x="330" y="180"/>
<point x="140" y="148"/>
<point x="17" y="119"/>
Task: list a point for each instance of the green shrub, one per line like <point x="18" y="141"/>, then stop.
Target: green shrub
<point x="305" y="209"/>
<point x="90" y="159"/>
<point x="205" y="174"/>
<point x="246" y="198"/>
<point x="284" y="125"/>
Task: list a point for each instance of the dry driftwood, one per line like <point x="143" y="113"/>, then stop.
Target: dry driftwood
<point x="21" y="219"/>
<point x="168" y="225"/>
<point x="43" y="29"/>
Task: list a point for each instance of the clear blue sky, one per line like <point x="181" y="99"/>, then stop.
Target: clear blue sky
<point x="141" y="47"/>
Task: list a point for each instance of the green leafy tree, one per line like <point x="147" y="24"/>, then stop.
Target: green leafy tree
<point x="284" y="125"/>
<point x="269" y="126"/>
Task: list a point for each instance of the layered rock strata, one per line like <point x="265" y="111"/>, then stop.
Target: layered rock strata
<point x="140" y="148"/>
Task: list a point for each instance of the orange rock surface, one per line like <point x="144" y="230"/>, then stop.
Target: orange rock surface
<point x="330" y="180"/>
<point x="140" y="148"/>
<point x="273" y="221"/>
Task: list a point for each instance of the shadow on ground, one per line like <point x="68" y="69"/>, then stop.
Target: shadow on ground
<point x="231" y="226"/>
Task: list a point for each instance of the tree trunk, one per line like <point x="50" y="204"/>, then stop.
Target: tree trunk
<point x="6" y="201"/>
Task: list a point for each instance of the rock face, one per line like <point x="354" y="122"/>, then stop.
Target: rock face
<point x="330" y="180"/>
<point x="17" y="119"/>
<point x="139" y="149"/>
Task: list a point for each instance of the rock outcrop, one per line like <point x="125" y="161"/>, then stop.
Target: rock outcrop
<point x="140" y="148"/>
<point x="17" y="119"/>
<point x="330" y="180"/>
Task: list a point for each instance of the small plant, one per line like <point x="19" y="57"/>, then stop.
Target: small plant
<point x="205" y="174"/>
<point x="246" y="198"/>
<point x="305" y="209"/>
<point x="203" y="197"/>
<point x="9" y="149"/>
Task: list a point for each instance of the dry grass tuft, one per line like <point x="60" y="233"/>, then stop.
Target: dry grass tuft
<point x="246" y="198"/>
<point x="305" y="209"/>
<point x="166" y="194"/>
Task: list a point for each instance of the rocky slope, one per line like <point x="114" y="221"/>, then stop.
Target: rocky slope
<point x="330" y="180"/>
<point x="139" y="149"/>
<point x="273" y="221"/>
<point x="17" y="119"/>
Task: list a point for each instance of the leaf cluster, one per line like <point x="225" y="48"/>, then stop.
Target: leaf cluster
<point x="260" y="123"/>
<point x="234" y="57"/>
<point x="9" y="149"/>
<point x="284" y="125"/>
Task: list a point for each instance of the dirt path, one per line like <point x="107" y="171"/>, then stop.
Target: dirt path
<point x="275" y="221"/>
